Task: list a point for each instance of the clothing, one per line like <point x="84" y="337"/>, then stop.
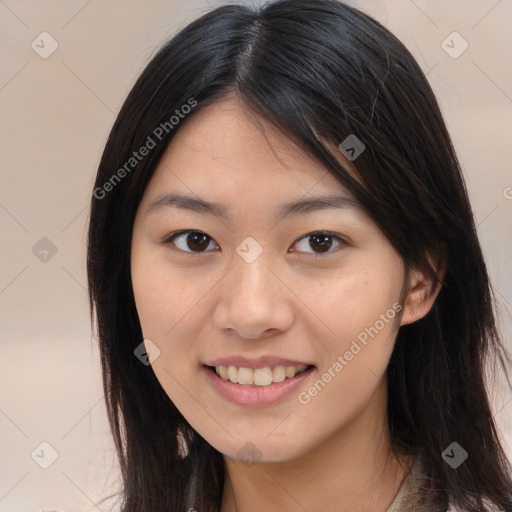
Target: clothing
<point x="405" y="498"/>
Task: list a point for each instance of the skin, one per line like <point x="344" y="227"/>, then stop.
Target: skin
<point x="333" y="453"/>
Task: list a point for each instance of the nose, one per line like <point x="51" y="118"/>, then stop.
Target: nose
<point x="254" y="301"/>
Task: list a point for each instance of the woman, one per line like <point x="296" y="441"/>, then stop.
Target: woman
<point x="291" y="300"/>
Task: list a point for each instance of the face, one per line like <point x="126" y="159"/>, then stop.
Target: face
<point x="255" y="285"/>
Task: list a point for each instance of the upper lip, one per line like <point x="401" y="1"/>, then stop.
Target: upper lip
<point x="258" y="362"/>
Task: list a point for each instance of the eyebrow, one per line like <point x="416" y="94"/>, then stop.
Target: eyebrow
<point x="295" y="208"/>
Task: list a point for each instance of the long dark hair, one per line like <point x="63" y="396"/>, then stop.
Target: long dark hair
<point x="319" y="71"/>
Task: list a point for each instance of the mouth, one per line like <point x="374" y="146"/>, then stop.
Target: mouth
<point x="258" y="387"/>
<point x="258" y="377"/>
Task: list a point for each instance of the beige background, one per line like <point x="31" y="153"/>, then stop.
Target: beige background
<point x="55" y="116"/>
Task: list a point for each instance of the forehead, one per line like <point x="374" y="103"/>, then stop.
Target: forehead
<point x="226" y="153"/>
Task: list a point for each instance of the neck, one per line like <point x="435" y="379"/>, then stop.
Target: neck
<point x="352" y="471"/>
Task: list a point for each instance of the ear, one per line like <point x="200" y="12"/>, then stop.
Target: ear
<point x="423" y="290"/>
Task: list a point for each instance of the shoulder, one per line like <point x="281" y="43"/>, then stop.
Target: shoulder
<point x="415" y="488"/>
<point x="407" y="497"/>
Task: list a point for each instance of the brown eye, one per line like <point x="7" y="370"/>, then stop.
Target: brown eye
<point x="198" y="242"/>
<point x="191" y="241"/>
<point x="320" y="242"/>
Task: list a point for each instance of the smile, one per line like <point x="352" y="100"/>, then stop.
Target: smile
<point x="259" y="376"/>
<point x="225" y="380"/>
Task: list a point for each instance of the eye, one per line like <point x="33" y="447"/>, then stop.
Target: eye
<point x="321" y="240"/>
<point x="197" y="241"/>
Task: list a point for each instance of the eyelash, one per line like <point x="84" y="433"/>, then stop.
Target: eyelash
<point x="170" y="239"/>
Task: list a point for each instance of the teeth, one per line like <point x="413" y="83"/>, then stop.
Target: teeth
<point x="222" y="371"/>
<point x="290" y="371"/>
<point x="233" y="374"/>
<point x="262" y="376"/>
<point x="259" y="376"/>
<point x="245" y="376"/>
<point x="279" y="374"/>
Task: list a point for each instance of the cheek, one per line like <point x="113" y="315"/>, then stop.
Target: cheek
<point x="170" y="302"/>
<point x="353" y="361"/>
<point x="354" y="301"/>
<point x="362" y="309"/>
<point x="165" y="302"/>
<point x="165" y="296"/>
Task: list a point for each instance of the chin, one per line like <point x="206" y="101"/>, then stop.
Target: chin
<point x="255" y="451"/>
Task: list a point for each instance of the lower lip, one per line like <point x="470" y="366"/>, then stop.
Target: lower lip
<point x="254" y="396"/>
